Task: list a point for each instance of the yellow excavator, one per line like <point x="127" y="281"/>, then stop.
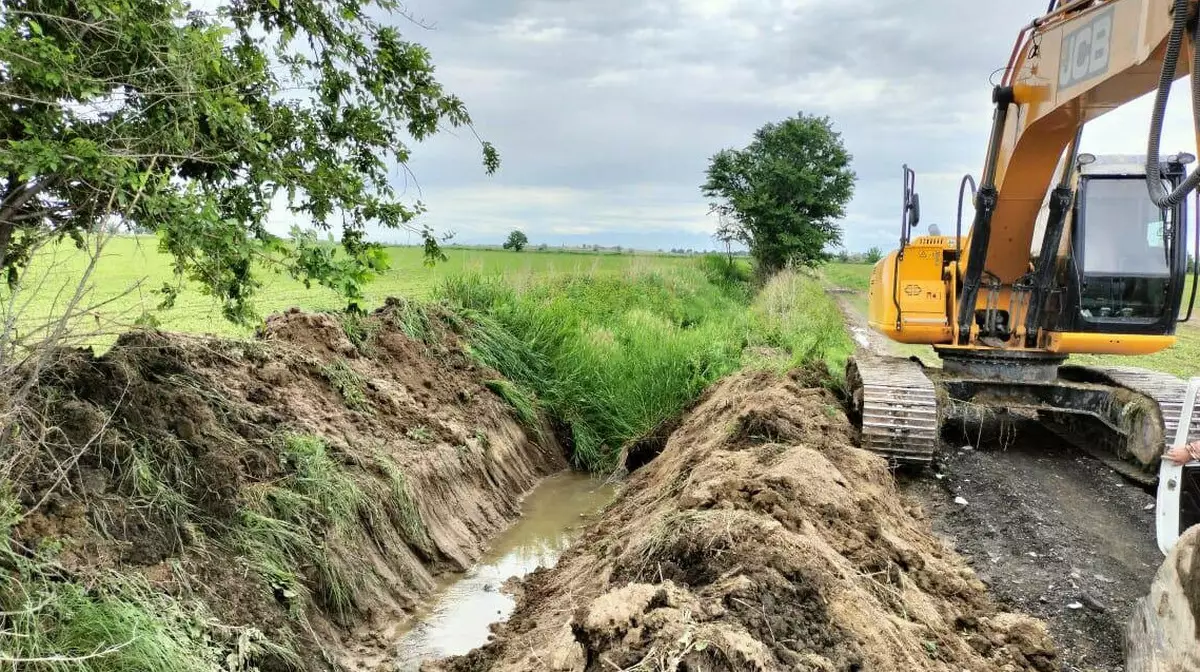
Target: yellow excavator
<point x="1068" y="253"/>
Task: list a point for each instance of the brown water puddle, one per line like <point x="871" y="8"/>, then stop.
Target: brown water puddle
<point x="460" y="612"/>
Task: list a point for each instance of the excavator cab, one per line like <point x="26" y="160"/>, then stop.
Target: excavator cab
<point x="1124" y="266"/>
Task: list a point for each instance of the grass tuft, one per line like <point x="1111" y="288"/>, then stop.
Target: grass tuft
<point x="361" y="329"/>
<point x="522" y="401"/>
<point x="315" y="475"/>
<point x="283" y="528"/>
<point x="347" y="382"/>
<point x="119" y="624"/>
<point x="152" y="480"/>
<point x="411" y="318"/>
<point x="403" y="508"/>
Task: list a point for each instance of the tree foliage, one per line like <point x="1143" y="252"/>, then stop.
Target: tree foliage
<point x="873" y="255"/>
<point x="517" y="240"/>
<point x="782" y="194"/>
<point x="201" y="126"/>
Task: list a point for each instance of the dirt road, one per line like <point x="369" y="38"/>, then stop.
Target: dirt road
<point x="1054" y="533"/>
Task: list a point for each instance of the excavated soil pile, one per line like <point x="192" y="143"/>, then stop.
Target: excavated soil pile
<point x="300" y="483"/>
<point x="759" y="539"/>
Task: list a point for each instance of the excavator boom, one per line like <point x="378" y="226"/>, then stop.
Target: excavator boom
<point x="1077" y="63"/>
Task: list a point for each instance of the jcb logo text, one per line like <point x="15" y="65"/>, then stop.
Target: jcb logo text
<point x="1085" y="50"/>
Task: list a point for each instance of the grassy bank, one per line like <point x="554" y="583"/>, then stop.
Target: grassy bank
<point x="609" y="358"/>
<point x="200" y="504"/>
<point x="1178" y="360"/>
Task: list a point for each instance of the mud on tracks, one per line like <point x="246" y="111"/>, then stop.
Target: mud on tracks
<point x="760" y="539"/>
<point x="168" y="458"/>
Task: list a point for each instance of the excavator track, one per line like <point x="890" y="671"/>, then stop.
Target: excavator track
<point x="1129" y="448"/>
<point x="1166" y="390"/>
<point x="895" y="405"/>
<point x="897" y="408"/>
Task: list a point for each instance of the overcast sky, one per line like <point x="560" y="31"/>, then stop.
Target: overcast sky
<point x="605" y="113"/>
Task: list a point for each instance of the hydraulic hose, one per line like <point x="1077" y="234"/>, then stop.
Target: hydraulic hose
<point x="967" y="181"/>
<point x="1158" y="193"/>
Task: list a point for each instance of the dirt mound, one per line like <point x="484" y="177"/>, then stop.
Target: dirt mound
<point x="761" y="540"/>
<point x="310" y="483"/>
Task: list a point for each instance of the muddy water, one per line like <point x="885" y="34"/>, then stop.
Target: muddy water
<point x="458" y="617"/>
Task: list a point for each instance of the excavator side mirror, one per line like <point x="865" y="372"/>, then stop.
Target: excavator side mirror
<point x="911" y="212"/>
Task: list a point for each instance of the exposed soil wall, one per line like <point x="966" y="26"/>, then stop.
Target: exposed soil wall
<point x="301" y="483"/>
<point x="759" y="539"/>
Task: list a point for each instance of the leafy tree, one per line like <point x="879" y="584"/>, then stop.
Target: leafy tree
<point x="782" y="194"/>
<point x="873" y="255"/>
<point x="200" y="126"/>
<point x="517" y="240"/>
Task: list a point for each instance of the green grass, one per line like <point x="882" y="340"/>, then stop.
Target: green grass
<point x="118" y="623"/>
<point x="401" y="508"/>
<point x="348" y="383"/>
<point x="611" y="357"/>
<point x="132" y="268"/>
<point x="848" y="276"/>
<point x="517" y="397"/>
<point x="290" y="529"/>
<point x="794" y="312"/>
<point x="1179" y="360"/>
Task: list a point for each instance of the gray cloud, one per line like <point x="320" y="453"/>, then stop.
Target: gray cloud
<point x="605" y="114"/>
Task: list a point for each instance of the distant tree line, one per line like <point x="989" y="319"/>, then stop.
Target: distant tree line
<point x="869" y="257"/>
<point x="517" y="241"/>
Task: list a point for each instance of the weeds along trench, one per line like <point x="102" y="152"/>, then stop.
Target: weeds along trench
<point x="609" y="358"/>
<point x="187" y="503"/>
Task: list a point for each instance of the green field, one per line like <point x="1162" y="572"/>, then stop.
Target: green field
<point x="610" y="344"/>
<point x="132" y="267"/>
<point x="1179" y="360"/>
<point x="848" y="276"/>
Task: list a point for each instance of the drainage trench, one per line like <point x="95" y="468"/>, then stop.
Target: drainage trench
<point x="457" y="617"/>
